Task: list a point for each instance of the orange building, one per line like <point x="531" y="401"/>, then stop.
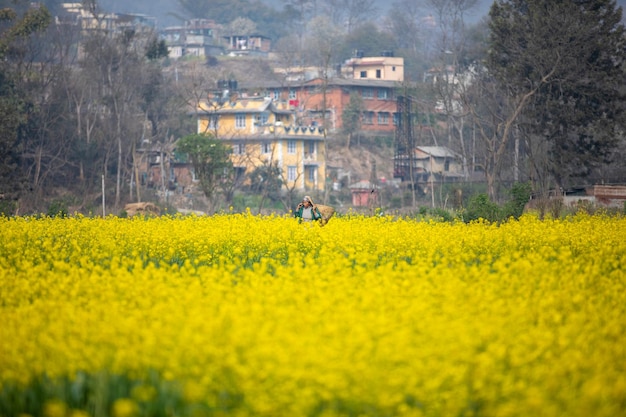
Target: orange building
<point x="307" y="100"/>
<point x="374" y="79"/>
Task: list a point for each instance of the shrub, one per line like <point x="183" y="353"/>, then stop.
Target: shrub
<point x="481" y="207"/>
<point x="58" y="208"/>
<point x="520" y="193"/>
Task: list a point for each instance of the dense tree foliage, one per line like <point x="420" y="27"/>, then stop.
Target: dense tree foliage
<point x="15" y="107"/>
<point x="567" y="58"/>
<point x="211" y="162"/>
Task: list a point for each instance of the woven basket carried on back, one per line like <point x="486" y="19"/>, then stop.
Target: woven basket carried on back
<point x="326" y="212"/>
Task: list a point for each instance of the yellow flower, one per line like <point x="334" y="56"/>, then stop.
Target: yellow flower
<point x="55" y="408"/>
<point x="255" y="315"/>
<point x="125" y="407"/>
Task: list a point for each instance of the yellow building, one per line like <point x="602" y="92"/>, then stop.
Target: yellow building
<point x="263" y="132"/>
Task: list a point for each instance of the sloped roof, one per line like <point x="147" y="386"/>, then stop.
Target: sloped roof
<point x="437" y="151"/>
<point x="243" y="105"/>
<point x="332" y="82"/>
<point x="354" y="82"/>
<point x="362" y="185"/>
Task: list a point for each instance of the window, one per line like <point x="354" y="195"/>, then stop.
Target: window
<point x="292" y="94"/>
<point x="214" y="122"/>
<point x="309" y="150"/>
<point x="396" y="119"/>
<point x="382" y="93"/>
<point x="239" y="149"/>
<point x="368" y="117"/>
<point x="446" y="166"/>
<point x="363" y="74"/>
<point x="367" y="93"/>
<point x="261" y="119"/>
<point x="378" y="73"/>
<point x="291" y="146"/>
<point x="291" y="173"/>
<point x="312" y="175"/>
<point x="266" y="147"/>
<point x="276" y="94"/>
<point x="240" y="121"/>
<point x="383" y="118"/>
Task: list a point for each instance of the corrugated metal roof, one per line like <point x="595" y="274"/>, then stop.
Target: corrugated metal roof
<point x="437" y="151"/>
<point x="332" y="82"/>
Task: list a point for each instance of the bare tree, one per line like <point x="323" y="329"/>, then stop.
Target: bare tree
<point x="495" y="113"/>
<point x="265" y="179"/>
<point x="290" y="186"/>
<point x="349" y="13"/>
<point x="324" y="46"/>
<point x="241" y="26"/>
<point x="290" y="57"/>
<point x="451" y="80"/>
<point x="406" y="22"/>
<point x="298" y="13"/>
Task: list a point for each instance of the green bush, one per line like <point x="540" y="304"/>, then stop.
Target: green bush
<point x="442" y="214"/>
<point x="58" y="208"/>
<point x="7" y="208"/>
<point x="520" y="195"/>
<point x="481" y="207"/>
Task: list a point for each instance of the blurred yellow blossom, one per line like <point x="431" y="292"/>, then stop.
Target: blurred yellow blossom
<point x="247" y="315"/>
<point x="125" y="407"/>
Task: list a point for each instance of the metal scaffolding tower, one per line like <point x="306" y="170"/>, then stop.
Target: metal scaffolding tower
<point x="405" y="140"/>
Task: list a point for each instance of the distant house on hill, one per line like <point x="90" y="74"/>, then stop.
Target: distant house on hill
<point x="247" y="45"/>
<point x="386" y="67"/>
<point x="323" y="100"/>
<point x="320" y="101"/>
<point x="77" y="14"/>
<point x="429" y="163"/>
<point x="197" y="37"/>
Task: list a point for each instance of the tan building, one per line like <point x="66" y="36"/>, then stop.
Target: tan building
<point x="263" y="132"/>
<point x="383" y="68"/>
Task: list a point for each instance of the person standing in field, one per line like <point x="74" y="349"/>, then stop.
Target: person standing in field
<point x="307" y="211"/>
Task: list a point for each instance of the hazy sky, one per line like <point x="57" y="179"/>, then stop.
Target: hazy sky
<point x="167" y="10"/>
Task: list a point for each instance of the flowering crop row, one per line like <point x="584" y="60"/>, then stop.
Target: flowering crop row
<point x="261" y="316"/>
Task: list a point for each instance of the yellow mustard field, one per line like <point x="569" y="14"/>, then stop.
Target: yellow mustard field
<point x="247" y="315"/>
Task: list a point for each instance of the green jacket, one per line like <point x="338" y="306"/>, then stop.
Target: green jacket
<point x="298" y="213"/>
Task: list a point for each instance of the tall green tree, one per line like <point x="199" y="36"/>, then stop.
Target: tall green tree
<point x="15" y="30"/>
<point x="210" y="159"/>
<point x="564" y="61"/>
